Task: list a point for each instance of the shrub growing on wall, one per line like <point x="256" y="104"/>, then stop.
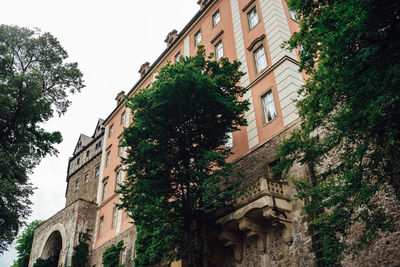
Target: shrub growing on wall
<point x="111" y="255"/>
<point x="80" y="257"/>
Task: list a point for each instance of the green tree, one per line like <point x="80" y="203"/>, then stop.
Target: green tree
<point x="50" y="262"/>
<point x="24" y="244"/>
<point x="34" y="82"/>
<point x="112" y="254"/>
<point x="350" y="111"/>
<point x="177" y="171"/>
<point x="80" y="256"/>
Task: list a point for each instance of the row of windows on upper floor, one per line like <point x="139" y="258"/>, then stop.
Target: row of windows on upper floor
<point x="86" y="177"/>
<point x="122" y="122"/>
<point x="269" y="113"/>
<point x="87" y="154"/>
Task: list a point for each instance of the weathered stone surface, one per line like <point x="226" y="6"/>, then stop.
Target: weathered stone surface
<point x="87" y="191"/>
<point x="62" y="230"/>
<point x="128" y="236"/>
<point x="385" y="250"/>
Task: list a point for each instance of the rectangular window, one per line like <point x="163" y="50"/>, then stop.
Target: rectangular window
<point x="77" y="185"/>
<point x="104" y="190"/>
<point x="219" y="50"/>
<point x="86" y="178"/>
<point x="108" y="158"/>
<point x="87" y="153"/>
<point x="177" y="57"/>
<point x="293" y="14"/>
<point x="114" y="216"/>
<point x="216" y="18"/>
<point x="259" y="57"/>
<point x="197" y="38"/>
<point x="110" y="132"/>
<point x="123" y="256"/>
<point x="229" y="141"/>
<point x="97" y="171"/>
<point x="78" y="161"/>
<point x="252" y="17"/>
<point x="123" y="117"/>
<point x="120" y="149"/>
<point x="101" y="225"/>
<point x="269" y="106"/>
<point x="117" y="179"/>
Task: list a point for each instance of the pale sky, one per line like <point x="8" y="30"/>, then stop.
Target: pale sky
<point x="110" y="40"/>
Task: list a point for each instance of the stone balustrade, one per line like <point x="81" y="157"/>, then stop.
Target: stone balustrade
<point x="264" y="205"/>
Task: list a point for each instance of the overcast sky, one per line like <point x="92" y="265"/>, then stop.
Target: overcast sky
<point x="110" y="40"/>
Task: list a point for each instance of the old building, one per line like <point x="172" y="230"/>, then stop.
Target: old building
<point x="266" y="228"/>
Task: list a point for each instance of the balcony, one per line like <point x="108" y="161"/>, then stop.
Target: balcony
<point x="264" y="205"/>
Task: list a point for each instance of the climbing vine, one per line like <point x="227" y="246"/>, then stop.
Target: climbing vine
<point x="80" y="256"/>
<point x="112" y="254"/>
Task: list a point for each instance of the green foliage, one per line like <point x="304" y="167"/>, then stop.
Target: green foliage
<point x="50" y="262"/>
<point x="34" y="82"/>
<point x="112" y="254"/>
<point x="177" y="171"/>
<point x="351" y="113"/>
<point x="80" y="256"/>
<point x="24" y="244"/>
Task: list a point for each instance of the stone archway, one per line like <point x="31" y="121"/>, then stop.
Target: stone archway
<point x="53" y="247"/>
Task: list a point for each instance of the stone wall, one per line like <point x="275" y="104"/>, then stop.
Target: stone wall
<point x="385" y="250"/>
<point x="66" y="223"/>
<point x="266" y="240"/>
<point x="128" y="236"/>
<point x="87" y="191"/>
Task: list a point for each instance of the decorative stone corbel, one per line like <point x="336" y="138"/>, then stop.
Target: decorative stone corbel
<point x="287" y="234"/>
<point x="233" y="239"/>
<point x="276" y="219"/>
<point x="255" y="228"/>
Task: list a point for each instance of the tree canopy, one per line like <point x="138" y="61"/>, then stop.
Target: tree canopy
<point x="177" y="170"/>
<point x="24" y="244"/>
<point x="35" y="80"/>
<point x="350" y="110"/>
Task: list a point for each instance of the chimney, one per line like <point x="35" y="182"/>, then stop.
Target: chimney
<point x="120" y="97"/>
<point x="144" y="69"/>
<point x="203" y="3"/>
<point x="171" y="37"/>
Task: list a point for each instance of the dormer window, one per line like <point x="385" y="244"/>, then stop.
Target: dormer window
<point x="171" y="37"/>
<point x="144" y="69"/>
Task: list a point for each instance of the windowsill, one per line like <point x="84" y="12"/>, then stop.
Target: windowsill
<point x="265" y="124"/>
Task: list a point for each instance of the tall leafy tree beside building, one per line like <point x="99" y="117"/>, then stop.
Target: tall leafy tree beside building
<point x="177" y="171"/>
<point x="35" y="80"/>
<point x="350" y="111"/>
<point x="24" y="244"/>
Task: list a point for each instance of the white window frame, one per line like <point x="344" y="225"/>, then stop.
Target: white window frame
<point x="251" y="15"/>
<point x="111" y="130"/>
<point x="118" y="176"/>
<point x="101" y="225"/>
<point x="216" y="18"/>
<point x="108" y="158"/>
<point x="123" y="115"/>
<point x="105" y="185"/>
<point x="178" y="56"/>
<point x="260" y="58"/>
<point x="219" y="47"/>
<point x="229" y="141"/>
<point x="293" y="14"/>
<point x="114" y="217"/>
<point x="197" y="37"/>
<point x="269" y="108"/>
